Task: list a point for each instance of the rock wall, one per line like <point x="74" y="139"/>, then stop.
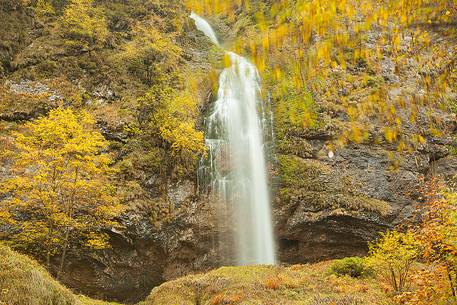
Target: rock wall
<point x="144" y="255"/>
<point x="338" y="205"/>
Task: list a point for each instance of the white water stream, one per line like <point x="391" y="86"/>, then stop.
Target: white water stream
<point x="236" y="168"/>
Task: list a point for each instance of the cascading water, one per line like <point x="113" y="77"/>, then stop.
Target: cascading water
<point x="235" y="169"/>
<point x="204" y="26"/>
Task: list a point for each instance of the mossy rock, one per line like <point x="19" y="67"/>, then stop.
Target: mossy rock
<point x="323" y="189"/>
<point x="23" y="281"/>
<point x="301" y="173"/>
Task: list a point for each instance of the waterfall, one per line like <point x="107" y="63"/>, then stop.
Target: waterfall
<point x="204" y="26"/>
<point x="235" y="169"/>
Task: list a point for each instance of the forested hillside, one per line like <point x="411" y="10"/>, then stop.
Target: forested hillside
<point x="103" y="108"/>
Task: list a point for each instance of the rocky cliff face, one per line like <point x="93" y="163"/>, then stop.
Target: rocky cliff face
<point x="340" y="205"/>
<point x="144" y="255"/>
<point x="331" y="203"/>
<point x="352" y="197"/>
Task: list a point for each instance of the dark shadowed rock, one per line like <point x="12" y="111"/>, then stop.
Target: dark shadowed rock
<point x="145" y="254"/>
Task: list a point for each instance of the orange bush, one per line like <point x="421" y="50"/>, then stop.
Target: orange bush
<point x="217" y="299"/>
<point x="430" y="287"/>
<point x="272" y="283"/>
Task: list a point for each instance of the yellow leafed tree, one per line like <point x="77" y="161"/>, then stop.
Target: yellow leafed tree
<point x="83" y="25"/>
<point x="59" y="193"/>
<point x="173" y="121"/>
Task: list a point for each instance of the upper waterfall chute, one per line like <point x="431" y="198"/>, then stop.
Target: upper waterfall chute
<point x="205" y="27"/>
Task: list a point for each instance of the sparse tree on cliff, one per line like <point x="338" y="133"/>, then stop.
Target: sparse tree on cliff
<point x="83" y="25"/>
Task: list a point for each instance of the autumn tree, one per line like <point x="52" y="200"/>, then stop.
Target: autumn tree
<point x="83" y="25"/>
<point x="59" y="195"/>
<point x="429" y="285"/>
<point x="174" y="121"/>
<point x="392" y="258"/>
<point x="169" y="116"/>
<point x="150" y="54"/>
<point x="437" y="232"/>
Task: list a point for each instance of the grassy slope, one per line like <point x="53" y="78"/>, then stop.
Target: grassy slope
<point x="267" y="285"/>
<point x="24" y="282"/>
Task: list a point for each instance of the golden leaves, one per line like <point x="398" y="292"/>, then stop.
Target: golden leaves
<point x="392" y="258"/>
<point x="304" y="43"/>
<point x="97" y="241"/>
<point x="83" y="24"/>
<point x="61" y="177"/>
<point x="174" y="119"/>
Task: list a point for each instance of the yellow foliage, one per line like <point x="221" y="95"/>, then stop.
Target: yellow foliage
<point x="150" y="54"/>
<point x="298" y="109"/>
<point x="61" y="178"/>
<point x="393" y="256"/>
<point x="183" y="136"/>
<point x="83" y="24"/>
<point x="44" y="8"/>
<point x="176" y="122"/>
<point x="170" y="118"/>
<point x="315" y="38"/>
<point x="431" y="286"/>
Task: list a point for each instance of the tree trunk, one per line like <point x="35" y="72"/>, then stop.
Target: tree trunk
<point x="64" y="253"/>
<point x="394" y="280"/>
<point x="67" y="229"/>
<point x="48" y="252"/>
<point x="451" y="281"/>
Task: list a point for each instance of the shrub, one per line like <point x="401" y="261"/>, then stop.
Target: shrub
<point x="393" y="256"/>
<point x="352" y="266"/>
<point x="273" y="283"/>
<point x="83" y="25"/>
